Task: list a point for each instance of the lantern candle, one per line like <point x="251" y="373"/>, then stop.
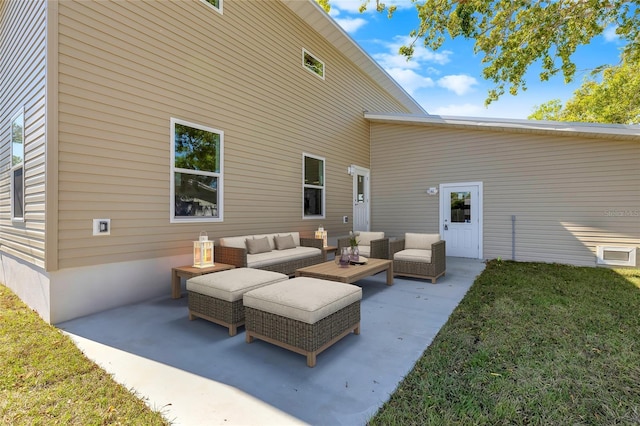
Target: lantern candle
<point x="321" y="234"/>
<point x="203" y="252"/>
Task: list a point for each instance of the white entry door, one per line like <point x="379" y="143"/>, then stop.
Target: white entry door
<point x="461" y="218"/>
<point x="360" y="198"/>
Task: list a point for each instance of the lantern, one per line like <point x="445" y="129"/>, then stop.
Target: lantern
<point x="203" y="252"/>
<point x="321" y="234"/>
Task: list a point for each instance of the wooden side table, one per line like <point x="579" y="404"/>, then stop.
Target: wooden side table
<point x="189" y="271"/>
<point x="328" y="249"/>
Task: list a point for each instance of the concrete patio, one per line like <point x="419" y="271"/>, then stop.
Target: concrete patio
<point x="195" y="374"/>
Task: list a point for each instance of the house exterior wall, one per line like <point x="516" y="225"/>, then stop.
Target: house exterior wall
<point x="561" y="189"/>
<point x="127" y="68"/>
<point x="22" y="88"/>
<point x="116" y="74"/>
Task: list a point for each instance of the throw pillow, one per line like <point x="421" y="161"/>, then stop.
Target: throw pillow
<point x="284" y="242"/>
<point x="260" y="245"/>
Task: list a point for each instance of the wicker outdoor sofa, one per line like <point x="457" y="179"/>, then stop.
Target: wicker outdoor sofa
<point x="281" y="252"/>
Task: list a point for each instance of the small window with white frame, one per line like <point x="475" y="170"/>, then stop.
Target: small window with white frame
<point x="17" y="167"/>
<point x="196" y="172"/>
<point x="214" y="4"/>
<point x="313" y="187"/>
<point x="312" y="63"/>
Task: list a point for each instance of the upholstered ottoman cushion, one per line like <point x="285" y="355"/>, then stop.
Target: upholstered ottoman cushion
<point x="305" y="315"/>
<point x="231" y="285"/>
<point x="217" y="297"/>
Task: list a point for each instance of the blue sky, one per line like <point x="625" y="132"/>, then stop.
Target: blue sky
<point x="449" y="81"/>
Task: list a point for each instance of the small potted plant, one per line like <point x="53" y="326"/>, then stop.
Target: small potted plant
<point x="353" y="242"/>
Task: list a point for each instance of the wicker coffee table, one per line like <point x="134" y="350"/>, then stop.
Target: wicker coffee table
<point x="333" y="272"/>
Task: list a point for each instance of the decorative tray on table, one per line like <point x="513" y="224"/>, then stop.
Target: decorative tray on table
<point x="361" y="261"/>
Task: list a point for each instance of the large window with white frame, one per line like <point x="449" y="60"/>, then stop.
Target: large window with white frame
<point x="214" y="4"/>
<point x="313" y="187"/>
<point x="17" y="167"/>
<point x="196" y="172"/>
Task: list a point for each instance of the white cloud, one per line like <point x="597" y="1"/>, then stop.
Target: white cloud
<point x="609" y="33"/>
<point x="391" y="60"/>
<point x="459" y="84"/>
<point x="410" y="80"/>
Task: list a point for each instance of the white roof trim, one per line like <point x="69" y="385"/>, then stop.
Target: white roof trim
<point x="319" y="20"/>
<point x="617" y="131"/>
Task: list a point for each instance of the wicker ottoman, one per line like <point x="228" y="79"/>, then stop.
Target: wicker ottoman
<point x="217" y="297"/>
<point x="304" y="315"/>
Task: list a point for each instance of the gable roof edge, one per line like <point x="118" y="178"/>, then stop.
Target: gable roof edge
<point x="310" y="12"/>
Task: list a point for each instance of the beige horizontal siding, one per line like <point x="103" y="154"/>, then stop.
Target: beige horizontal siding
<point x="560" y="188"/>
<point x="22" y="87"/>
<point x="126" y="68"/>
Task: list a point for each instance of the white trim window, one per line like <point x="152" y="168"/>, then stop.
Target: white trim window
<point x="17" y="167"/>
<point x="312" y="63"/>
<point x="214" y="4"/>
<point x="196" y="172"/>
<point x="313" y="187"/>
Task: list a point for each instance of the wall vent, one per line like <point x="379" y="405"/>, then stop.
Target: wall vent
<point x="617" y="256"/>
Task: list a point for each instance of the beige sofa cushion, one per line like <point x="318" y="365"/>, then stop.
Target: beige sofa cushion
<point x="364" y="251"/>
<point x="284" y="242"/>
<point x="413" y="255"/>
<point x="232" y="284"/>
<point x="303" y="299"/>
<point x="279" y="256"/>
<point x="420" y="241"/>
<point x="258" y="245"/>
<point x="365" y="238"/>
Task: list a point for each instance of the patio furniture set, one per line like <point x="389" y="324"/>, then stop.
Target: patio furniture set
<point x="309" y="312"/>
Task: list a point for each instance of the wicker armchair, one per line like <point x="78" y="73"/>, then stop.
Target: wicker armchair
<point x="419" y="256"/>
<point x="371" y="244"/>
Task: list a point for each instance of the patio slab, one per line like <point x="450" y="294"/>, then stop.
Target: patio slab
<point x="195" y="374"/>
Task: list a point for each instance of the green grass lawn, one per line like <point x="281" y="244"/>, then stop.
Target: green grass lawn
<point x="534" y="344"/>
<point x="46" y="380"/>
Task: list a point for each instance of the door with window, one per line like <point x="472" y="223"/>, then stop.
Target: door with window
<point x="360" y="198"/>
<point x="461" y="217"/>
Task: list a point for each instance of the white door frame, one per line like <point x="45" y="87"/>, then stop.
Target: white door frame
<point x="445" y="204"/>
<point x="355" y="171"/>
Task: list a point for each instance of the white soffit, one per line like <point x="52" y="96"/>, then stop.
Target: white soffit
<point x="592" y="130"/>
<point x="319" y="20"/>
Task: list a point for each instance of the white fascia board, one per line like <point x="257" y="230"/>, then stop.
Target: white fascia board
<point x="533" y="126"/>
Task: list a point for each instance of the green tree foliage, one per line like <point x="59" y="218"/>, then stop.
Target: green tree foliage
<point x="547" y="111"/>
<point x="196" y="149"/>
<point x="324" y="4"/>
<point x="513" y="35"/>
<point x="615" y="99"/>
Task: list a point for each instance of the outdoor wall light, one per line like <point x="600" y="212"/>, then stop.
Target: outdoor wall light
<point x="432" y="191"/>
<point x="203" y="252"/>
